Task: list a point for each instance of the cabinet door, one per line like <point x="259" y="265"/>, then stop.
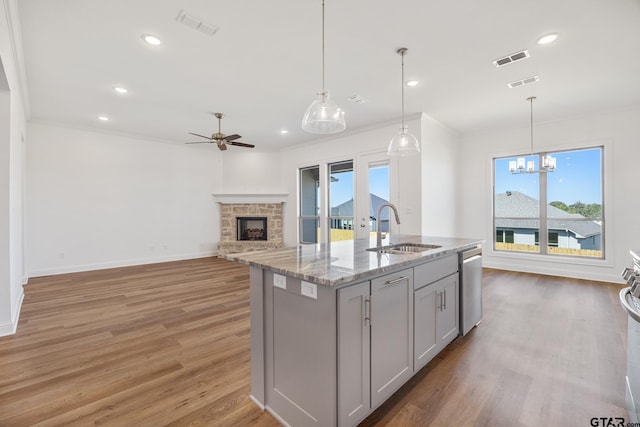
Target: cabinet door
<point x="447" y="322"/>
<point x="391" y="333"/>
<point x="353" y="354"/>
<point x="426" y="301"/>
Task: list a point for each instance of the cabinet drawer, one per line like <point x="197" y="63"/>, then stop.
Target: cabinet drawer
<point x="434" y="270"/>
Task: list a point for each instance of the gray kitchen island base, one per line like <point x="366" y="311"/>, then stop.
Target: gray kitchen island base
<point x="327" y="352"/>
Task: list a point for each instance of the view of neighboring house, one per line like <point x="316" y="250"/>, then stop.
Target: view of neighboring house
<point x="344" y="212"/>
<point x="513" y="224"/>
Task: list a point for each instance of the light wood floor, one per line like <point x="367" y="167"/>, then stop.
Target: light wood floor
<point x="168" y="344"/>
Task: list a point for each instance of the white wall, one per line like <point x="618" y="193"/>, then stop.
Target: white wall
<point x="618" y="131"/>
<point x="440" y="174"/>
<point x="12" y="125"/>
<point x="97" y="200"/>
<point x="349" y="146"/>
<point x="248" y="171"/>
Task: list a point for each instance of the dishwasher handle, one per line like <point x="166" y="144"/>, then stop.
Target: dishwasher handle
<point x="470" y="253"/>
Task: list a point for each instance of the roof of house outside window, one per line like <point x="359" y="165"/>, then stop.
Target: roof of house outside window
<point x="513" y="204"/>
<point x="346" y="208"/>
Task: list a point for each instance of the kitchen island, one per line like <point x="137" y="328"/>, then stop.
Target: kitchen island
<point x="337" y="329"/>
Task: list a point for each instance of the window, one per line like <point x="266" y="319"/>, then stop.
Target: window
<point x="309" y="219"/>
<point x="565" y="206"/>
<point x="341" y="201"/>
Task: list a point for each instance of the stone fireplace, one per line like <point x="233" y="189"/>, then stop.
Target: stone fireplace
<point x="246" y="227"/>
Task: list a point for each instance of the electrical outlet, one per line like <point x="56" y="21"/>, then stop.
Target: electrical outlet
<point x="280" y="281"/>
<point x="309" y="289"/>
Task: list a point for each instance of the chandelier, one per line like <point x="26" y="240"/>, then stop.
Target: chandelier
<point x="522" y="165"/>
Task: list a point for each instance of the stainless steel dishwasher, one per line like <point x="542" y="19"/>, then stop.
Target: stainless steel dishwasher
<point x="470" y="269"/>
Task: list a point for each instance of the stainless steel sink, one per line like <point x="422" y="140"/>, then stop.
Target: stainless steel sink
<point x="404" y="248"/>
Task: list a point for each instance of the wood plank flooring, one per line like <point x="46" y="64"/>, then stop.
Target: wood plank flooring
<point x="168" y="344"/>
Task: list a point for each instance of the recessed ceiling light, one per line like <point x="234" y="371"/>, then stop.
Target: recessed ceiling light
<point x="121" y="90"/>
<point x="547" y="38"/>
<point x="284" y="131"/>
<point x="151" y="39"/>
<point x="103" y="118"/>
<point x="412" y="83"/>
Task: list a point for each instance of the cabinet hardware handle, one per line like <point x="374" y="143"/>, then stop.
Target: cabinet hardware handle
<point x="440" y="298"/>
<point x="445" y="300"/>
<point x="367" y="311"/>
<point x="399" y="279"/>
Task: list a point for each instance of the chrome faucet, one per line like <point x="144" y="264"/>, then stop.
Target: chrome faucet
<point x="378" y="221"/>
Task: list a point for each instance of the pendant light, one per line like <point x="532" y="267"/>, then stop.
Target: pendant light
<point x="522" y="165"/>
<point x="404" y="143"/>
<point x="323" y="115"/>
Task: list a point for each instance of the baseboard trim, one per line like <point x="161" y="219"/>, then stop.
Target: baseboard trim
<point x="116" y="264"/>
<point x="10" y="328"/>
<point x="258" y="404"/>
<point x="547" y="271"/>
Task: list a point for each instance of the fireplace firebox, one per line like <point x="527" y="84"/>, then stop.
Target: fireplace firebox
<point x="252" y="228"/>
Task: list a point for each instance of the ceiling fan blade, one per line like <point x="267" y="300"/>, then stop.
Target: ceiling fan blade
<point x="199" y="142"/>
<point x="201" y="136"/>
<point x="242" y="144"/>
<point x="232" y="137"/>
<point x="222" y="146"/>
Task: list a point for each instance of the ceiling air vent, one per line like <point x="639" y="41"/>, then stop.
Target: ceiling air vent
<point x="196" y="23"/>
<point x="511" y="58"/>
<point x="357" y="99"/>
<point x="523" y="82"/>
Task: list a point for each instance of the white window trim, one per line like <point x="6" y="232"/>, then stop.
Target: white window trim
<point x="608" y="207"/>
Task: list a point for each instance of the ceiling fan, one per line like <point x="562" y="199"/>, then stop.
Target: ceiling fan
<point x="221" y="139"/>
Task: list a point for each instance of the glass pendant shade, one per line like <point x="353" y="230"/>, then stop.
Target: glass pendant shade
<point x="323" y="116"/>
<point x="403" y="144"/>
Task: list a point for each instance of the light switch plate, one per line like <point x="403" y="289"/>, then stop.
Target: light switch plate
<point x="309" y="289"/>
<point x="280" y="281"/>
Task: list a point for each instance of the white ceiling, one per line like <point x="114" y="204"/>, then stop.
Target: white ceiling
<point x="263" y="67"/>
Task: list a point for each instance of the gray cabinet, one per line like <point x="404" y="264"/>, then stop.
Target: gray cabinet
<point x="375" y="343"/>
<point x="391" y="334"/>
<point x="447" y="319"/>
<point x="436" y="318"/>
<point x="353" y="354"/>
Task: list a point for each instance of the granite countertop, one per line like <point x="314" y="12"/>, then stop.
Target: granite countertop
<point x="346" y="261"/>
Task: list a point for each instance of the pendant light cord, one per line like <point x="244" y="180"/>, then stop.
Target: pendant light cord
<point x="402" y="51"/>
<point x="531" y="100"/>
<point x="323" y="82"/>
<point x="402" y="85"/>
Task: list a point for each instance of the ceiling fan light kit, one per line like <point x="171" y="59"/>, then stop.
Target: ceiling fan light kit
<point x="323" y="116"/>
<point x="403" y="143"/>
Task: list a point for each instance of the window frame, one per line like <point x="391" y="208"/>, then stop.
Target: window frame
<point x="543" y="218"/>
<point x="305" y="217"/>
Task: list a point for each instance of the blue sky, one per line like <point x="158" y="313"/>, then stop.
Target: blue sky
<point x="577" y="178"/>
<point x="343" y="189"/>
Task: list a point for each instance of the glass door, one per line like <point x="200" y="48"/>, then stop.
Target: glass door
<point x="374" y="189"/>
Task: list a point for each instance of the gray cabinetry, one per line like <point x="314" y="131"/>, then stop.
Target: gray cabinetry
<point x="436" y="318"/>
<point x="375" y="343"/>
<point x="425" y="332"/>
<point x="391" y="333"/>
<point x="353" y="355"/>
<point x="447" y="319"/>
<point x="435" y="308"/>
